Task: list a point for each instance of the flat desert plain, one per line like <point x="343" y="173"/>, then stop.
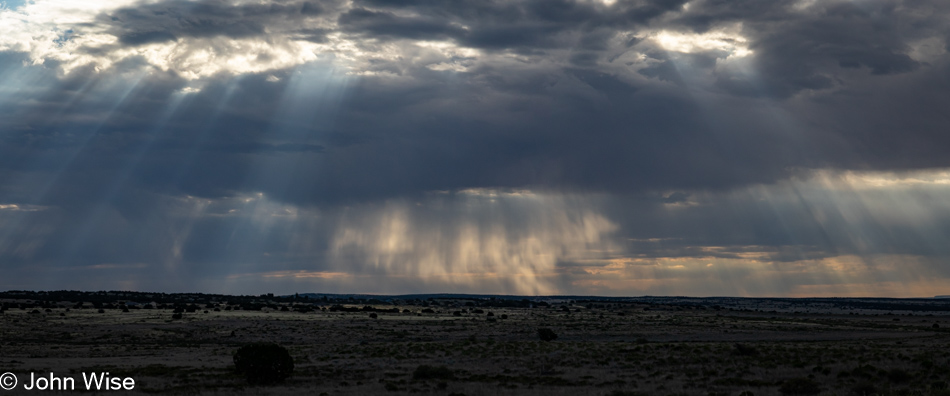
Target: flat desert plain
<point x="478" y="346"/>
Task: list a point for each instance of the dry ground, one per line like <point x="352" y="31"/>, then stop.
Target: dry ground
<point x="622" y="350"/>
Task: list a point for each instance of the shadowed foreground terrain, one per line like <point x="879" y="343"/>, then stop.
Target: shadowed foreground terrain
<point x="480" y="345"/>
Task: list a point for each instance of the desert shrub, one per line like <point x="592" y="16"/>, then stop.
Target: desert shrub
<point x="799" y="386"/>
<point x="546" y="334"/>
<point x="626" y="393"/>
<point x="264" y="363"/>
<point x="744" y="350"/>
<point x="176" y="316"/>
<point x="457" y="313"/>
<point x="938" y="385"/>
<point x="427" y="372"/>
<point x="373" y="315"/>
<point x="504" y="316"/>
<point x="936" y="326"/>
<point x="864" y="389"/>
<point x="899" y="376"/>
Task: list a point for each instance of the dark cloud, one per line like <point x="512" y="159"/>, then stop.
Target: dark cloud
<point x="387" y="24"/>
<point x="168" y="20"/>
<point x="525" y="26"/>
<point x="803" y="50"/>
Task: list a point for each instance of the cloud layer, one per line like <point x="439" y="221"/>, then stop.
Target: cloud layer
<point x="640" y="130"/>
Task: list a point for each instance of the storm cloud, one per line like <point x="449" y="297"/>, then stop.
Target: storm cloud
<point x="210" y="140"/>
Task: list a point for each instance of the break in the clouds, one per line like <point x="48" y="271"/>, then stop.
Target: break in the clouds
<point x="586" y="147"/>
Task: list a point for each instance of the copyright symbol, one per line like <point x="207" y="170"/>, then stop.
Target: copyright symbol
<point x="7" y="381"/>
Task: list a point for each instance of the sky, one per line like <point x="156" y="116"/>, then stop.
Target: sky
<point x="530" y="147"/>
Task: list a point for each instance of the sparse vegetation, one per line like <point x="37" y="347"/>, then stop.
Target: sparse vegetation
<point x="658" y="347"/>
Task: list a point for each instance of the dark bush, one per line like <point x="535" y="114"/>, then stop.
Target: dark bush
<point x="546" y="334"/>
<point x="373" y="315"/>
<point x="936" y="326"/>
<point x="864" y="389"/>
<point x="426" y="372"/>
<point x="504" y="316"/>
<point x="264" y="363"/>
<point x="176" y="316"/>
<point x="745" y="350"/>
<point x="899" y="376"/>
<point x="800" y="386"/>
<point x="618" y="392"/>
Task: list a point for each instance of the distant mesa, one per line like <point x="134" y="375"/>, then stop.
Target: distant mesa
<point x="946" y="296"/>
